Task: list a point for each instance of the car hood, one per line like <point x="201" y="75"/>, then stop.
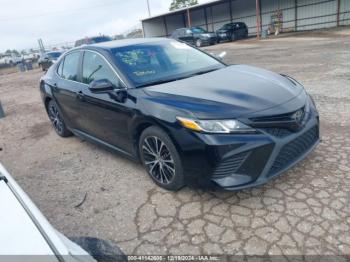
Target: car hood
<point x="233" y="91"/>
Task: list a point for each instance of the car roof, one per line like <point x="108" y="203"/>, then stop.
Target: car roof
<point x="125" y="42"/>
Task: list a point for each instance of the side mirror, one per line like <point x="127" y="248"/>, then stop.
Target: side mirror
<point x="219" y="56"/>
<point x="101" y="86"/>
<point x="222" y="55"/>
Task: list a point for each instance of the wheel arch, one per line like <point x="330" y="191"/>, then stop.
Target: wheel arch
<point x="141" y="125"/>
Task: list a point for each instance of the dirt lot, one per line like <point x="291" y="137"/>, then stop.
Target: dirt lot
<point x="305" y="211"/>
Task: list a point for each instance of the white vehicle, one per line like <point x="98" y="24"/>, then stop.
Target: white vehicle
<point x="25" y="232"/>
<point x="29" y="57"/>
<point x="9" y="60"/>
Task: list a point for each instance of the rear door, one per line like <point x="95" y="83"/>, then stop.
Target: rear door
<point x="67" y="86"/>
<point x="241" y="29"/>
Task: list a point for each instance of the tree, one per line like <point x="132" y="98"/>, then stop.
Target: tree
<point x="14" y="51"/>
<point x="177" y="4"/>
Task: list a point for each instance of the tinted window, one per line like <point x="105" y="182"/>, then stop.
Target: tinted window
<point x="198" y="30"/>
<point x="60" y="67"/>
<point x="96" y="68"/>
<point x="187" y="32"/>
<point x="227" y="26"/>
<point x="70" y="66"/>
<point x="162" y="61"/>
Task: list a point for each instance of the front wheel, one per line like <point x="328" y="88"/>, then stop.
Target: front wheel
<point x="199" y="43"/>
<point x="56" y="120"/>
<point x="161" y="159"/>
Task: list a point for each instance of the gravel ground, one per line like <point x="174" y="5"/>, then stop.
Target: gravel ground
<point x="304" y="211"/>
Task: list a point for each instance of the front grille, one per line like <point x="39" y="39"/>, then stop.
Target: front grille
<point x="293" y="150"/>
<point x="230" y="165"/>
<point x="277" y="132"/>
<point x="278" y="118"/>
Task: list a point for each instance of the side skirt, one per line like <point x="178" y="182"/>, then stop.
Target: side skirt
<point x="104" y="144"/>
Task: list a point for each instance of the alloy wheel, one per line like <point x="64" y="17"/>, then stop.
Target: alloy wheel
<point x="158" y="159"/>
<point x="55" y="119"/>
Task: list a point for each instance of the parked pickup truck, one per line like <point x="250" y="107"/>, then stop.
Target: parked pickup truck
<point x="9" y="60"/>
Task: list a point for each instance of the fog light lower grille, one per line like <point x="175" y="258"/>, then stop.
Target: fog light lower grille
<point x="229" y="166"/>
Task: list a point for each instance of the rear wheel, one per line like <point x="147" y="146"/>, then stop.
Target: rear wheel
<point x="56" y="120"/>
<point x="161" y="159"/>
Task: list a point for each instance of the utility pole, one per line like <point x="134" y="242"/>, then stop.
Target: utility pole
<point x="2" y="113"/>
<point x="149" y="9"/>
<point x="189" y="18"/>
<point x="258" y="21"/>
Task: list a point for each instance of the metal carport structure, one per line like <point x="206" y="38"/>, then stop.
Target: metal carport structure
<point x="295" y="15"/>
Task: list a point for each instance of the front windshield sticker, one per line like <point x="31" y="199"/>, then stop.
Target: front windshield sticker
<point x="144" y="73"/>
<point x="179" y="45"/>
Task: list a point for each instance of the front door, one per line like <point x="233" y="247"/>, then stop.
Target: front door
<point x="102" y="116"/>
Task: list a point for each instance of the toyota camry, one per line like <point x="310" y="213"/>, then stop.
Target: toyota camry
<point x="189" y="118"/>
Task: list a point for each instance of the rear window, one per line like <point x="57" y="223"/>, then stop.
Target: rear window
<point x="71" y="66"/>
<point x="198" y="30"/>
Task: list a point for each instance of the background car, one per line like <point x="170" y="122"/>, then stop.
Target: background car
<point x="49" y="58"/>
<point x="232" y="32"/>
<point x="92" y="40"/>
<point x="187" y="116"/>
<point x="195" y="36"/>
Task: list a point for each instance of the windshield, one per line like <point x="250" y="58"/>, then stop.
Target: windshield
<point x="164" y="61"/>
<point x="198" y="30"/>
<point x="54" y="55"/>
<point x="227" y="26"/>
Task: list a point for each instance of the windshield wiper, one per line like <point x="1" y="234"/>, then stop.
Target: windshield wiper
<point x="158" y="82"/>
<point x="203" y="72"/>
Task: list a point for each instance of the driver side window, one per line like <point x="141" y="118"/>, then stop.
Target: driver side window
<point x="96" y="68"/>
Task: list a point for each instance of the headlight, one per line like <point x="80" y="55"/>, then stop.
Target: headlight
<point x="215" y="126"/>
<point x="206" y="35"/>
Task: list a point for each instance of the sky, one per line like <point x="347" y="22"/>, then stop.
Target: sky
<point x="23" y="22"/>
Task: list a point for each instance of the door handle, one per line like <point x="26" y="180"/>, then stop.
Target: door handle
<point x="80" y="95"/>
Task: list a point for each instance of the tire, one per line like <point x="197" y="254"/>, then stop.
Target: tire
<point x="101" y="250"/>
<point x="56" y="120"/>
<point x="161" y="159"/>
<point x="198" y="42"/>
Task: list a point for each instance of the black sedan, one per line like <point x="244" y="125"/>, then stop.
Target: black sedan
<point x="187" y="116"/>
<point x="195" y="36"/>
<point x="232" y="32"/>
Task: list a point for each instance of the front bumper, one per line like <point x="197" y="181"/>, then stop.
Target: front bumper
<point x="223" y="36"/>
<point x="240" y="161"/>
<point x="209" y="41"/>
